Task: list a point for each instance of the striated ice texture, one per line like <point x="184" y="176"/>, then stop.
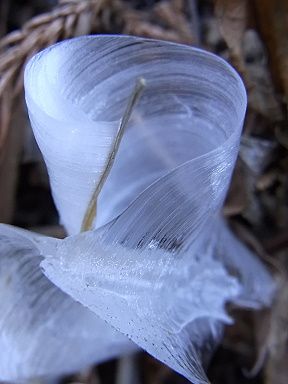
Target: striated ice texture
<point x="159" y="264"/>
<point x="42" y="330"/>
<point x="76" y="93"/>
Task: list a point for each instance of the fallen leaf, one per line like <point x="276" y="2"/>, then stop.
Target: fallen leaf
<point x="232" y="17"/>
<point x="272" y="19"/>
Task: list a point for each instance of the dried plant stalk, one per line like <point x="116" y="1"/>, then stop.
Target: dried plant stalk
<point x="92" y="206"/>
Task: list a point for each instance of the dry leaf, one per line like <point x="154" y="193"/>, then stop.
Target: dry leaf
<point x="237" y="198"/>
<point x="273" y="343"/>
<point x="165" y="21"/>
<point x="174" y="17"/>
<point x="232" y="17"/>
<point x="272" y="18"/>
<point x="248" y="56"/>
<point x="262" y="96"/>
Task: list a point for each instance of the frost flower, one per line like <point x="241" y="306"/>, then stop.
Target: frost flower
<point x="156" y="263"/>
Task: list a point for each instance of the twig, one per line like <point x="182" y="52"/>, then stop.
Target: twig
<point x="92" y="206"/>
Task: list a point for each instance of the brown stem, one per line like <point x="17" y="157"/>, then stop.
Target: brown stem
<point x="91" y="211"/>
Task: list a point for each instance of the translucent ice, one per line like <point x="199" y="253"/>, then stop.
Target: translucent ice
<point x="154" y="264"/>
<point x="42" y="330"/>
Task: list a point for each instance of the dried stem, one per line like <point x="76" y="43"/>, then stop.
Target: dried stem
<point x="92" y="206"/>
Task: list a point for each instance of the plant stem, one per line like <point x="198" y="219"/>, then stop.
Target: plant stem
<point x="91" y="211"/>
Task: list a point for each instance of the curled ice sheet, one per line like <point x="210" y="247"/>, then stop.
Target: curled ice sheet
<point x="42" y="330"/>
<point x="76" y="92"/>
<point x="151" y="267"/>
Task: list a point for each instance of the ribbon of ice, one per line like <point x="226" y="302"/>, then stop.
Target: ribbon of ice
<point x="158" y="264"/>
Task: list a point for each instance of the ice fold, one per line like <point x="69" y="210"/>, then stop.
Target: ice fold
<point x="43" y="332"/>
<point x="158" y="285"/>
<point x="163" y="305"/>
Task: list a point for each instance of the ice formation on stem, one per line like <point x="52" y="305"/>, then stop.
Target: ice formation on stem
<point x="159" y="263"/>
